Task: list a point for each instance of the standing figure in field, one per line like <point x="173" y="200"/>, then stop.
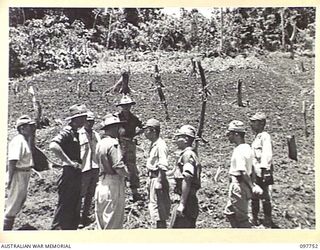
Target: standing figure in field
<point x="240" y="187"/>
<point x="127" y="133"/>
<point x="110" y="191"/>
<point x="66" y="147"/>
<point x="157" y="165"/>
<point x="90" y="170"/>
<point x="20" y="163"/>
<point x="262" y="168"/>
<point x="186" y="213"/>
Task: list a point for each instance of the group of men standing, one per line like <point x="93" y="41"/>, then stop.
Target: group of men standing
<point x="251" y="174"/>
<point x="99" y="167"/>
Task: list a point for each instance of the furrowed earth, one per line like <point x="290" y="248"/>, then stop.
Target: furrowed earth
<point x="274" y="84"/>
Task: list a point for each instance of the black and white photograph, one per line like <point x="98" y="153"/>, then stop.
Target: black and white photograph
<point x="160" y="118"/>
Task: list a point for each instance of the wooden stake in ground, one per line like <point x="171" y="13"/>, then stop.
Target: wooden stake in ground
<point x="204" y="96"/>
<point x="121" y="86"/>
<point x="239" y="93"/>
<point x="292" y="147"/>
<point x="159" y="86"/>
<point x="89" y="84"/>
<point x="193" y="71"/>
<point x="78" y="89"/>
<point x="36" y="106"/>
<point x="304" y="112"/>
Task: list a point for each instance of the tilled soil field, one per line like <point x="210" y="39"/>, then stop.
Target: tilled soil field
<point x="274" y="84"/>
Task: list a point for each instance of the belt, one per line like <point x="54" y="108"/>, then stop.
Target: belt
<point x="27" y="169"/>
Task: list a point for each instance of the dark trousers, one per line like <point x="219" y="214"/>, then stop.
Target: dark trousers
<point x="89" y="181"/>
<point x="67" y="214"/>
<point x="266" y="200"/>
<point x="128" y="148"/>
<point x="189" y="216"/>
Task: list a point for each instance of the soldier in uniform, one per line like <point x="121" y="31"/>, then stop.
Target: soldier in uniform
<point x="157" y="165"/>
<point x="19" y="169"/>
<point x="127" y="142"/>
<point x="262" y="168"/>
<point x="66" y="147"/>
<point x="90" y="170"/>
<point x="110" y="191"/>
<point x="240" y="187"/>
<point x="186" y="213"/>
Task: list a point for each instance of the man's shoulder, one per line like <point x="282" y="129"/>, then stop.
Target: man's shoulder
<point x="108" y="142"/>
<point x="17" y="138"/>
<point x="96" y="134"/>
<point x="66" y="129"/>
<point x="64" y="133"/>
<point x="82" y="130"/>
<point x="161" y="143"/>
<point x="188" y="155"/>
<point x="265" y="135"/>
<point x="242" y="148"/>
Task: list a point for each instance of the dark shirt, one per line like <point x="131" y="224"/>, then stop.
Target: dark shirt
<point x="68" y="139"/>
<point x="132" y="122"/>
<point x="189" y="156"/>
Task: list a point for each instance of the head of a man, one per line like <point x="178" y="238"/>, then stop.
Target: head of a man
<point x="152" y="129"/>
<point x="89" y="121"/>
<point x="77" y="116"/>
<point x="258" y="122"/>
<point x="236" y="132"/>
<point x="111" y="124"/>
<point x="185" y="136"/>
<point x="26" y="126"/>
<point x="126" y="103"/>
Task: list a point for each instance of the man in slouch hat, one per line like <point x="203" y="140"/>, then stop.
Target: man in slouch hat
<point x="110" y="191"/>
<point x="66" y="147"/>
<point x="127" y="142"/>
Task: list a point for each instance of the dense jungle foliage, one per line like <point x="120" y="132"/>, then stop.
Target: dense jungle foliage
<point x="47" y="39"/>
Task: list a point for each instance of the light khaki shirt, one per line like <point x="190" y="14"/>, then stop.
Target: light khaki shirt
<point x="262" y="151"/>
<point x="158" y="156"/>
<point x="87" y="149"/>
<point x="109" y="156"/>
<point x="241" y="160"/>
<point x="19" y="150"/>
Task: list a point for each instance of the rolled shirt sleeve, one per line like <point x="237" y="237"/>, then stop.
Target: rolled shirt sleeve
<point x="15" y="149"/>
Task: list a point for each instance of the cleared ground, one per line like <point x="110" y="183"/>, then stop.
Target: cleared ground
<point x="274" y="84"/>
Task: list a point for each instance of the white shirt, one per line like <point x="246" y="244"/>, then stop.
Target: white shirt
<point x="19" y="150"/>
<point x="88" y="149"/>
<point x="158" y="155"/>
<point x="262" y="151"/>
<point x="241" y="160"/>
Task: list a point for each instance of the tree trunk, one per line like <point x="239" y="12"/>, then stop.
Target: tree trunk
<point x="109" y="27"/>
<point x="283" y="30"/>
<point x="221" y="29"/>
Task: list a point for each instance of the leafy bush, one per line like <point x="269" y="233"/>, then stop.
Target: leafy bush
<point x="49" y="43"/>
